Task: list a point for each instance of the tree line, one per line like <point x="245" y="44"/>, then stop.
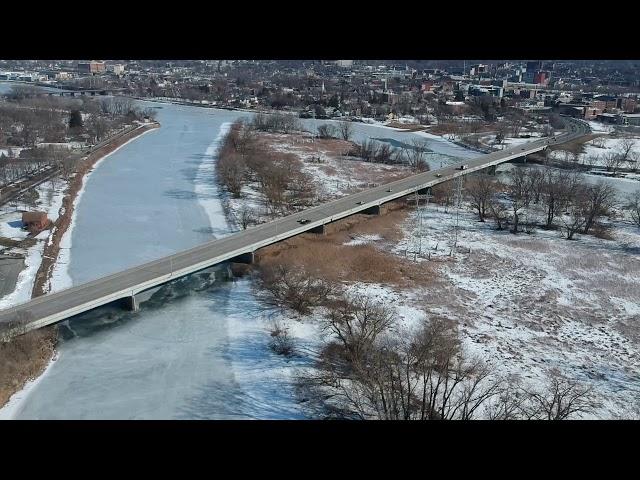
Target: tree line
<point x="27" y="120"/>
<point x="536" y="197"/>
<point x="278" y="176"/>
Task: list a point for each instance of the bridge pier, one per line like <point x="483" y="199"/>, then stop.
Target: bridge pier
<point x="247" y="258"/>
<point x="320" y="230"/>
<point x="491" y="170"/>
<point x="375" y="210"/>
<point x="131" y="303"/>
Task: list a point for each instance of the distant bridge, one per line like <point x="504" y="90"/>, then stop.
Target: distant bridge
<point x="240" y="246"/>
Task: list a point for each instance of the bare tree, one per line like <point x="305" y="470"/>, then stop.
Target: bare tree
<point x="499" y="212"/>
<point x="326" y="130"/>
<point x="424" y="375"/>
<point x="415" y="155"/>
<point x="283" y="285"/>
<point x="612" y="161"/>
<point x="599" y="200"/>
<point x="562" y="398"/>
<point x="575" y="217"/>
<point x="519" y="194"/>
<point x="356" y="322"/>
<point x="517" y="121"/>
<point x="501" y="133"/>
<point x="246" y="217"/>
<point x="346" y="130"/>
<point x="508" y="403"/>
<point x="479" y="189"/>
<point x="231" y="170"/>
<point x="634" y="207"/>
<point x="559" y="188"/>
<point x="281" y="343"/>
<point x="626" y="150"/>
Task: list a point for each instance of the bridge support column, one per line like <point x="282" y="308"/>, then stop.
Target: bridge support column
<point x="424" y="191"/>
<point x="247" y="258"/>
<point x="491" y="170"/>
<point x="375" y="210"/>
<point x="131" y="303"/>
<point x="320" y="230"/>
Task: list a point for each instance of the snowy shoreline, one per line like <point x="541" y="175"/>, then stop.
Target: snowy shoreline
<point x="206" y="187"/>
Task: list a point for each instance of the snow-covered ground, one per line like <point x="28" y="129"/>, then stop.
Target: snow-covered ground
<point x="50" y="201"/>
<point x="597" y="151"/>
<point x="334" y="175"/>
<point x="206" y="187"/>
<point x="529" y="303"/>
<point x="598" y="127"/>
<point x="599" y="146"/>
<point x="8" y="411"/>
<point x="15" y="151"/>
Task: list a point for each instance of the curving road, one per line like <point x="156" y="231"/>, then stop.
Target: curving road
<point x="55" y="307"/>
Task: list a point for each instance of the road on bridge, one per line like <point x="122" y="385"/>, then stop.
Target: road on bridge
<point x="55" y="307"/>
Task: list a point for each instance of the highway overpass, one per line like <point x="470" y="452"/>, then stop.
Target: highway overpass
<point x="58" y="306"/>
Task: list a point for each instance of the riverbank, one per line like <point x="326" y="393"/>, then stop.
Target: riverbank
<point x="26" y="357"/>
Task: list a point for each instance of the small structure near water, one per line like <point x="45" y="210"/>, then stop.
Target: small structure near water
<point x="35" y="221"/>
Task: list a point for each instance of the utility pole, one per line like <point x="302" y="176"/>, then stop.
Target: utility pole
<point x="458" y="201"/>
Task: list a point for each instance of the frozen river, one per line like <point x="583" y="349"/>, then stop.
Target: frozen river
<point x="150" y="198"/>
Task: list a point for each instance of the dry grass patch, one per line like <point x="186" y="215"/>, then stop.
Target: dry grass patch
<point x="24" y="358"/>
<point x="326" y="256"/>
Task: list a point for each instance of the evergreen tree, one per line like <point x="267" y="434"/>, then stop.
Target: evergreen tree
<point x="75" y="120"/>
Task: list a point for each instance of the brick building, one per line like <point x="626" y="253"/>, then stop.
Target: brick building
<point x="35" y="221"/>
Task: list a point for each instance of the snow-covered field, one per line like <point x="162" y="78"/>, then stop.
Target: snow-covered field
<point x="15" y="151"/>
<point x="599" y="146"/>
<point x="525" y="303"/>
<point x="598" y="127"/>
<point x="529" y="303"/>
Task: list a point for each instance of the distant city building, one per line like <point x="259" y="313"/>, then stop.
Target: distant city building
<point x="117" y="69"/>
<point x="91" y="67"/>
<point x="344" y="63"/>
<point x="541" y="78"/>
<point x="532" y="69"/>
<point x="478" y="69"/>
<point x="486" y="90"/>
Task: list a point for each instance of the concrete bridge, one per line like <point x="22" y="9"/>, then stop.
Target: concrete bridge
<point x="92" y="92"/>
<point x="128" y="285"/>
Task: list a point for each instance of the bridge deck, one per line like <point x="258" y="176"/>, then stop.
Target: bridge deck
<point x="54" y="307"/>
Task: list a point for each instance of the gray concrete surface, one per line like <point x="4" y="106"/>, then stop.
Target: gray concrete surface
<point x="10" y="268"/>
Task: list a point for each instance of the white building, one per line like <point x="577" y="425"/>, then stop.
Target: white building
<point x="118" y="69"/>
